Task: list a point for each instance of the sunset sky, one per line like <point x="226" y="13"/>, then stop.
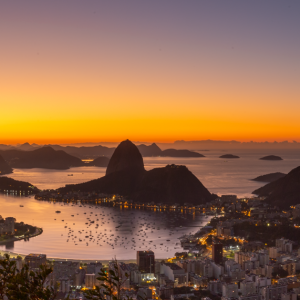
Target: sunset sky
<point x="159" y="70"/>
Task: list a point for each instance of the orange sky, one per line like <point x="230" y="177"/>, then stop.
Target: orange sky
<point x="101" y="73"/>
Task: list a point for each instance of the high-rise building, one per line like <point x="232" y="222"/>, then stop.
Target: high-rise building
<point x="217" y="253"/>
<point x="145" y="261"/>
<point x="34" y="261"/>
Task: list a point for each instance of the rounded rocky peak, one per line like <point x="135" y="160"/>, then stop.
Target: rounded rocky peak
<point x="125" y="156"/>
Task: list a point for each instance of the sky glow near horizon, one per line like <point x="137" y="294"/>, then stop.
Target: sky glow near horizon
<point x="85" y="71"/>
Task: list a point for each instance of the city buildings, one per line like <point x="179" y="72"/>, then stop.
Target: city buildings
<point x="217" y="253"/>
<point x="145" y="261"/>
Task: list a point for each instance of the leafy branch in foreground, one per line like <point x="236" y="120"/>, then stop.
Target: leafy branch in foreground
<point x="24" y="284"/>
<point x="111" y="283"/>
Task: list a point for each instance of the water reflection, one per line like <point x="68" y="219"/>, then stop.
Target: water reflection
<point x="92" y="231"/>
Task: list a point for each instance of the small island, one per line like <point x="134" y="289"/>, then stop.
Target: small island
<point x="269" y="177"/>
<point x="229" y="156"/>
<point x="271" y="157"/>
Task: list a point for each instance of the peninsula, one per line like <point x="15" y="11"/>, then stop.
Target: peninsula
<point x="12" y="186"/>
<point x="283" y="192"/>
<point x="126" y="176"/>
<point x="269" y="177"/>
<point x="271" y="157"/>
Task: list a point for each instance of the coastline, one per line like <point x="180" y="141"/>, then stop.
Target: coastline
<point x="38" y="231"/>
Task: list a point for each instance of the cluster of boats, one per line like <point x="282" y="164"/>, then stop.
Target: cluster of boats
<point x="129" y="230"/>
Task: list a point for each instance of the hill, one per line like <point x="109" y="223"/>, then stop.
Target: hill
<point x="85" y="152"/>
<point x="271" y="157"/>
<point x="101" y="161"/>
<point x="151" y="150"/>
<point x="126" y="176"/>
<point x="4" y="167"/>
<point x="9" y="184"/>
<point x="45" y="157"/>
<point x="283" y="192"/>
<point x="171" y="184"/>
<point x="269" y="177"/>
<point x="126" y="157"/>
<point x="180" y="153"/>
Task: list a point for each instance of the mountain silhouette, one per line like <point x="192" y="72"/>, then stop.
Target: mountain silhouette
<point x="4" y="167"/>
<point x="126" y="157"/>
<point x="45" y="157"/>
<point x="283" y="192"/>
<point x="269" y="177"/>
<point x="125" y="175"/>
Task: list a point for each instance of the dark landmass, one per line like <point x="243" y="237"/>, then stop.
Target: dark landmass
<point x="96" y="151"/>
<point x="180" y="153"/>
<point x="101" y="161"/>
<point x="45" y="157"/>
<point x="271" y="157"/>
<point x="126" y="157"/>
<point x="4" y="167"/>
<point x="86" y="152"/>
<point x="229" y="156"/>
<point x="154" y="150"/>
<point x="171" y="184"/>
<point x="9" y="184"/>
<point x="283" y="192"/>
<point x="126" y="176"/>
<point x="151" y="150"/>
<point x="269" y="177"/>
<point x="5" y="147"/>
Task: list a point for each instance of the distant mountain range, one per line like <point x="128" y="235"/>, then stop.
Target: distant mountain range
<point x="125" y="175"/>
<point x="97" y="151"/>
<point x="4" y="167"/>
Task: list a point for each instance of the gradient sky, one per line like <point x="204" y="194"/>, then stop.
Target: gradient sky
<point x="159" y="70"/>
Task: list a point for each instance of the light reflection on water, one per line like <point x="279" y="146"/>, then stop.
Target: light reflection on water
<point x="142" y="225"/>
<point x="222" y="176"/>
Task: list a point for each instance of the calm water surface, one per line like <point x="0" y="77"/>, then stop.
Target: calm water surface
<point x="139" y="230"/>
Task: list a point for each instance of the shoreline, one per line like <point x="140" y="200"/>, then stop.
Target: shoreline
<point x="38" y="232"/>
<point x="51" y="259"/>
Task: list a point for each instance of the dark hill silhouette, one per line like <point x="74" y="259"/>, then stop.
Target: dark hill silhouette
<point x="4" y="167"/>
<point x="171" y="184"/>
<point x="101" y="161"/>
<point x="269" y="177"/>
<point x="45" y="157"/>
<point x="271" y="157"/>
<point x="27" y="147"/>
<point x="229" y="156"/>
<point x="151" y="150"/>
<point x="85" y="152"/>
<point x="126" y="176"/>
<point x="154" y="150"/>
<point x="7" y="183"/>
<point x="283" y="192"/>
<point x="126" y="157"/>
<point x="180" y="153"/>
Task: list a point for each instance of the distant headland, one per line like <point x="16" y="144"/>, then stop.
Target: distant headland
<point x="271" y="157"/>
